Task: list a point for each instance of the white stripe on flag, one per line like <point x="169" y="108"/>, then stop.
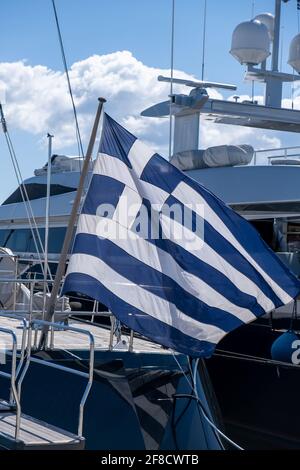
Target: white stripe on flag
<point x="185" y="194"/>
<point x="142" y="299"/>
<point x="209" y="256"/>
<point x="128" y="207"/>
<point x="139" y="155"/>
<point x="163" y="262"/>
<point x="112" y="167"/>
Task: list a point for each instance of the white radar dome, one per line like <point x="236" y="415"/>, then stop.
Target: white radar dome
<point x="250" y="43"/>
<point x="294" y="55"/>
<point x="269" y="21"/>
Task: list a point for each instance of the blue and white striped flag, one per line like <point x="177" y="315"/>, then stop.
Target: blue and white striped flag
<point x="167" y="257"/>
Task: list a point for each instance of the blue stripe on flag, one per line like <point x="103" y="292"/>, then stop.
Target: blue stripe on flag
<point x="136" y="319"/>
<point x="116" y="141"/>
<point x="221" y="246"/>
<point x="207" y="273"/>
<point x="211" y="276"/>
<point x="251" y="241"/>
<point x="156" y="172"/>
<point x="102" y="190"/>
<point x="154" y="281"/>
<point x="235" y="278"/>
<point x="167" y="177"/>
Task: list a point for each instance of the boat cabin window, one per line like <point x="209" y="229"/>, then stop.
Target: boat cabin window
<point x="56" y="238"/>
<point x="21" y="240"/>
<point x="37" y="191"/>
<point x="4" y="234"/>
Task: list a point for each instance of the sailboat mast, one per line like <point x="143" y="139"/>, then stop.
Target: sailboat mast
<point x="70" y="229"/>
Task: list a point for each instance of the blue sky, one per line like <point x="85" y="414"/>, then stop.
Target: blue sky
<point x="102" y="27"/>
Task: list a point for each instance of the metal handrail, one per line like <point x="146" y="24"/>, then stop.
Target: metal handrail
<point x="278" y="149"/>
<point x="89" y="375"/>
<point x="12" y="377"/>
<point x="29" y="311"/>
<point x="25" y="281"/>
<point x="14" y="316"/>
<point x="284" y="153"/>
<point x="285" y="157"/>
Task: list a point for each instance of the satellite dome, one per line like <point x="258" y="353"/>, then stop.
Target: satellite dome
<point x="250" y="42"/>
<point x="269" y="21"/>
<point x="294" y="55"/>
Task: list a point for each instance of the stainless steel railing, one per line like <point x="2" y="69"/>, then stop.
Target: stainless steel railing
<point x="12" y="377"/>
<point x="277" y="153"/>
<point x="29" y="312"/>
<point x="20" y="355"/>
<point x="89" y="375"/>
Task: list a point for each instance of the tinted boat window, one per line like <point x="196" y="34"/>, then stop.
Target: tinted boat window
<point x="56" y="239"/>
<point x="4" y="236"/>
<point x="19" y="240"/>
<point x="55" y="242"/>
<point x="37" y="191"/>
<point x="31" y="246"/>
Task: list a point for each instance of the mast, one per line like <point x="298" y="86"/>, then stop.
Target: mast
<point x="273" y="93"/>
<point x="70" y="229"/>
<point x="276" y="41"/>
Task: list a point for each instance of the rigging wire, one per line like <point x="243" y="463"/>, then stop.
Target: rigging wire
<point x="172" y="78"/>
<point x="293" y="81"/>
<point x="23" y="191"/>
<point x="293" y="89"/>
<point x="63" y="54"/>
<point x="208" y="420"/>
<point x="195" y="396"/>
<point x="252" y="8"/>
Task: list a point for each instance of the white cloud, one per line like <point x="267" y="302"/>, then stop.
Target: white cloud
<point x="38" y="102"/>
<point x="222" y="134"/>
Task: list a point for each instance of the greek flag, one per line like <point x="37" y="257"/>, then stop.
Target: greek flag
<point x="167" y="257"/>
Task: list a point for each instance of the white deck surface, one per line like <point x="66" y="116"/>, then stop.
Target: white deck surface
<point x="75" y="341"/>
<point x="33" y="432"/>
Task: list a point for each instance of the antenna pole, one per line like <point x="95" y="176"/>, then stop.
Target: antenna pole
<point x="70" y="229"/>
<point x="49" y="137"/>
<point x="172" y="78"/>
<point x="273" y="92"/>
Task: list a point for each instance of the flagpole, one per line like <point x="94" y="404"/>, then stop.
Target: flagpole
<point x="72" y="222"/>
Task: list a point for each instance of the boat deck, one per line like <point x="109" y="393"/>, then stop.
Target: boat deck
<point x="75" y="341"/>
